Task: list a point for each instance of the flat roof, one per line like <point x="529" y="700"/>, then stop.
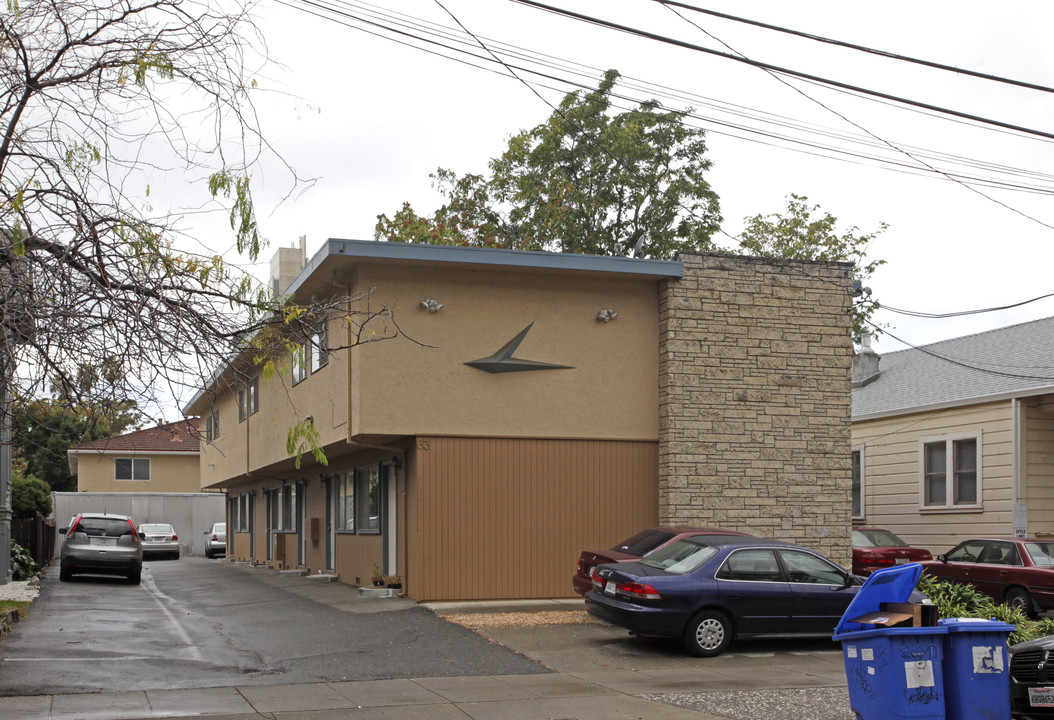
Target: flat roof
<point x="485" y="258"/>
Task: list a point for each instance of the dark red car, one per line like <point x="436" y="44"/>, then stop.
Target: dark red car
<point x="875" y="548"/>
<point x="1017" y="571"/>
<point x="635" y="548"/>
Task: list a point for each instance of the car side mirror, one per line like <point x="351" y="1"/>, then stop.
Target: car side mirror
<point x="63" y="531"/>
<point x="942" y="558"/>
<point x="205" y="533"/>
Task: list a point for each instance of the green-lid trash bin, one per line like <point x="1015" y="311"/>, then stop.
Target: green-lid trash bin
<point x="976" y="669"/>
<point x="892" y="672"/>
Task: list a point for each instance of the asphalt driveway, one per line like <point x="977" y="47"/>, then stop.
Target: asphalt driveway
<point x="196" y="623"/>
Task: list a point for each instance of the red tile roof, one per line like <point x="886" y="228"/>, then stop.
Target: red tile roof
<point x="180" y="436"/>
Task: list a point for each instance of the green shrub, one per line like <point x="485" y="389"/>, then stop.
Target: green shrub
<point x="23" y="566"/>
<point x="965" y="601"/>
<point x="29" y="496"/>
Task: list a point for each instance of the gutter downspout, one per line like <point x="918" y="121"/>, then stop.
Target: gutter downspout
<point x="1019" y="510"/>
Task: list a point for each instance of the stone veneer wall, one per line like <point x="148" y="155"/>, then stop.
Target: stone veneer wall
<point x="755" y="361"/>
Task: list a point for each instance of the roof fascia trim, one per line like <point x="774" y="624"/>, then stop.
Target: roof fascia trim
<point x="486" y="257"/>
<point x="966" y="402"/>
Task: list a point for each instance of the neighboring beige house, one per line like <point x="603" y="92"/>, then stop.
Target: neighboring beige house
<point x="956" y="439"/>
<point x="163" y="459"/>
<point x="536" y="404"/>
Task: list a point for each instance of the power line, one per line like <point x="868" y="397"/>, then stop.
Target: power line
<point x="915" y="158"/>
<point x="962" y="313"/>
<point x="552" y="72"/>
<point x="960" y="363"/>
<point x="776" y="68"/>
<point x="862" y="48"/>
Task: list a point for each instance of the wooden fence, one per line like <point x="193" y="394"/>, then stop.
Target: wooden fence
<point x="37" y="535"/>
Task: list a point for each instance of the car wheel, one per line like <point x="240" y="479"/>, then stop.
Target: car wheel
<point x="1019" y="599"/>
<point x="709" y="633"/>
<point x="65" y="574"/>
<point x="135" y="576"/>
<point x="208" y="555"/>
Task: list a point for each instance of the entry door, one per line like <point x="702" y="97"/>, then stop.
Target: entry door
<point x="301" y="520"/>
<point x="252" y="525"/>
<point x="270" y="526"/>
<point x="331" y="500"/>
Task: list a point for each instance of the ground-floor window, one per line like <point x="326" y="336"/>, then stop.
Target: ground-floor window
<point x="950" y="471"/>
<point x="357" y="500"/>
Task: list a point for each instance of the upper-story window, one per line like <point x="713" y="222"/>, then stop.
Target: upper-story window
<point x="132" y="469"/>
<point x="951" y="475"/>
<point x="319" y="345"/>
<point x="298" y="362"/>
<point x="249" y="398"/>
<point x="212" y="426"/>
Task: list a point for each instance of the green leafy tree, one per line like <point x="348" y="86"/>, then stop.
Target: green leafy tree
<point x="586" y="181"/>
<point x="29" y="495"/>
<point x="806" y="232"/>
<point x="103" y="295"/>
<point x="44" y="430"/>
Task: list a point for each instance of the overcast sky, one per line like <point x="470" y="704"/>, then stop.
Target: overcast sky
<point x="370" y="118"/>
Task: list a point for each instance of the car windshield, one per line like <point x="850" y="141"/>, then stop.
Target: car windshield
<point x="643" y="542"/>
<point x="876" y="538"/>
<point x="155" y="528"/>
<point x="220" y="527"/>
<point x="1042" y="553"/>
<point x="680" y="557"/>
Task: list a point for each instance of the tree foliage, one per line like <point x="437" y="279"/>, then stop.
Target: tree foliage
<point x="806" y="232"/>
<point x="588" y="180"/>
<point x="29" y="495"/>
<point x="45" y="429"/>
<point x="102" y="297"/>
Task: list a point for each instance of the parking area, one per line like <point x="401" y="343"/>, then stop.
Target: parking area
<point x="195" y="623"/>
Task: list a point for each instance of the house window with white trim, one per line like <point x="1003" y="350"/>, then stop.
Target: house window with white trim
<point x="858" y="483"/>
<point x="951" y="471"/>
<point x="288" y="507"/>
<point x="319" y="346"/>
<point x="368" y="489"/>
<point x="299" y="363"/>
<point x="243" y="514"/>
<point x="212" y="426"/>
<point x="137" y="469"/>
<point x="249" y="398"/>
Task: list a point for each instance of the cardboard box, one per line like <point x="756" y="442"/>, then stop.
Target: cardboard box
<point x="901" y="615"/>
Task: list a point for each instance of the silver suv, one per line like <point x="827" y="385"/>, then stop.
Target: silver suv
<point x="101" y="543"/>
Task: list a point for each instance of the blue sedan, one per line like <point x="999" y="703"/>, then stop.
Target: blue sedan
<point x="708" y="591"/>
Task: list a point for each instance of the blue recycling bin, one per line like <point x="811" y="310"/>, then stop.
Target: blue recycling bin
<point x="976" y="669"/>
<point x="892" y="672"/>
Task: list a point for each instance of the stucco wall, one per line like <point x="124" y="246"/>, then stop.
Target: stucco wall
<point x="168" y="473"/>
<point x="754" y="399"/>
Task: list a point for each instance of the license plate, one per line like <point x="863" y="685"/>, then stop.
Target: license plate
<point x="902" y="561"/>
<point x="1041" y="696"/>
<point x="104" y="541"/>
<point x="609" y="588"/>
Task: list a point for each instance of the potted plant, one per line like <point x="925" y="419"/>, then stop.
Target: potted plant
<point x="393" y="581"/>
<point x="378" y="577"/>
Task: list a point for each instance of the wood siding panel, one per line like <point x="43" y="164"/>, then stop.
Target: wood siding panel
<point x="507" y="518"/>
<point x="1038" y="466"/>
<point x="891" y="474"/>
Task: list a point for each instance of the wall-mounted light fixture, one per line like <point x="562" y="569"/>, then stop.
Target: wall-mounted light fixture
<point x="432" y="306"/>
<point x="606" y="315"/>
<point x="309" y="419"/>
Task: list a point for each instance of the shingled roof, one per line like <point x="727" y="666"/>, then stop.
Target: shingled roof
<point x="180" y="436"/>
<point x="1015" y="361"/>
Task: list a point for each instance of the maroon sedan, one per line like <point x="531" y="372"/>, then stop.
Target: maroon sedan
<point x="875" y="548"/>
<point x="1017" y="571"/>
<point x="635" y="548"/>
